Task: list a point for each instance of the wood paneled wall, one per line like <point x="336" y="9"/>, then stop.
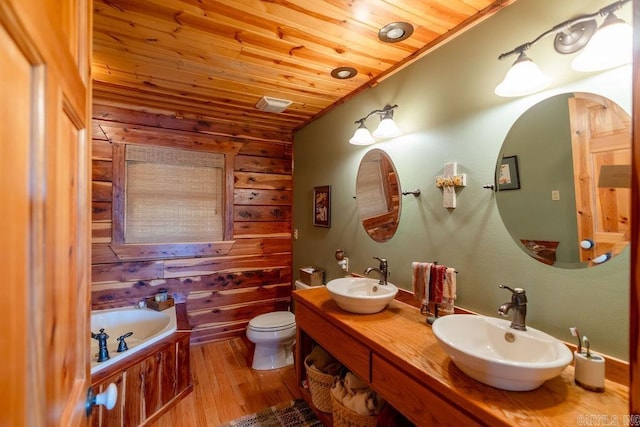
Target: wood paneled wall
<point x="223" y="292"/>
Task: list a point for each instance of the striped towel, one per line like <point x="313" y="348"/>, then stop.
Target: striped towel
<point x="420" y="279"/>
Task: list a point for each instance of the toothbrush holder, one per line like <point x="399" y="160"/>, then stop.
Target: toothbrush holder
<point x="589" y="371"/>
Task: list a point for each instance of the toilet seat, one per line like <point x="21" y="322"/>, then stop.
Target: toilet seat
<point x="272" y="322"/>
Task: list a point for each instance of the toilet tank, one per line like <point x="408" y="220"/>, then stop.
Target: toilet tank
<point x="299" y="285"/>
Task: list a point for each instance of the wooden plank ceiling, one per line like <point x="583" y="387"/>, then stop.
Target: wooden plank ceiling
<point x="214" y="59"/>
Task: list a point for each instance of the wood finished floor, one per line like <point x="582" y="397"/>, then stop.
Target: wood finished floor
<point x="225" y="386"/>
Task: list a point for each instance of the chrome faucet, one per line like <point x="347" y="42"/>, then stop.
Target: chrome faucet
<point x="519" y="305"/>
<point x="382" y="270"/>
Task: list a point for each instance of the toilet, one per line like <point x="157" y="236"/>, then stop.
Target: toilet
<point x="273" y="334"/>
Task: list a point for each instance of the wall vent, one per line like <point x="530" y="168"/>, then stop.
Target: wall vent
<point x="272" y="105"/>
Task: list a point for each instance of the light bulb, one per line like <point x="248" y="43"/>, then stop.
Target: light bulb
<point x="523" y="78"/>
<point x="387" y="127"/>
<point x="362" y="136"/>
<point x="586" y="244"/>
<point x="602" y="258"/>
<point x="610" y="46"/>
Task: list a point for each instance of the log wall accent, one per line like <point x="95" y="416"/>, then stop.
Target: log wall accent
<point x="223" y="291"/>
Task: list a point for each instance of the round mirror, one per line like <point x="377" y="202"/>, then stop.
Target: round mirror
<point x="563" y="180"/>
<point x="378" y="195"/>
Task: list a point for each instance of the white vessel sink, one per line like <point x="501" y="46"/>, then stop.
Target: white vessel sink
<point x="361" y="294"/>
<point x="488" y="350"/>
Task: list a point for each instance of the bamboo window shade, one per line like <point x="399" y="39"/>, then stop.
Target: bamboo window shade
<point x="372" y="192"/>
<point x="173" y="196"/>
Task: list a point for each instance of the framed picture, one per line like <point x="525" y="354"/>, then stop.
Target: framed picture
<point x="508" y="176"/>
<point x="322" y="206"/>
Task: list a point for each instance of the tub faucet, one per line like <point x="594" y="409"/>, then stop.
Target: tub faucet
<point x="519" y="305"/>
<point x="123" y="344"/>
<point x="382" y="270"/>
<point x="103" y="352"/>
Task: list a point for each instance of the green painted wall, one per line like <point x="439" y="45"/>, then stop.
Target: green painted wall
<point x="448" y="113"/>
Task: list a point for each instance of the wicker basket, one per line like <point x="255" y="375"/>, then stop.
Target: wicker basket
<point x="320" y="386"/>
<point x="345" y="417"/>
<point x="312" y="276"/>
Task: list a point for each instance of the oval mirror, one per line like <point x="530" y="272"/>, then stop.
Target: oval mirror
<point x="563" y="180"/>
<point x="378" y="195"/>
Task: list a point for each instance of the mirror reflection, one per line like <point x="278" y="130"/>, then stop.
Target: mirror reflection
<point x="563" y="180"/>
<point x="378" y="195"/>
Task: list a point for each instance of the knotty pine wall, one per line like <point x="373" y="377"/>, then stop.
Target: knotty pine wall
<point x="223" y="292"/>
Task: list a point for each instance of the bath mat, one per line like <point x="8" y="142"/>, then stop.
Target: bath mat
<point x="295" y="413"/>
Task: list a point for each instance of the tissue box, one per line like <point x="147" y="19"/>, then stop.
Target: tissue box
<point x="161" y="305"/>
<point x="312" y="276"/>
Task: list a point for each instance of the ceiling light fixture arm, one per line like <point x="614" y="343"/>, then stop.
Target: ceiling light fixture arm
<point x="566" y="28"/>
<point x="385" y="110"/>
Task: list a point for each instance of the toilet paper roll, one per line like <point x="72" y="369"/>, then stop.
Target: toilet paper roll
<point x="589" y="371"/>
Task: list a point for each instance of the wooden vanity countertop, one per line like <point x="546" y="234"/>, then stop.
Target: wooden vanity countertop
<point x="401" y="336"/>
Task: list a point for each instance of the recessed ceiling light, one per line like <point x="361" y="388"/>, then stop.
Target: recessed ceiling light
<point x="343" y="72"/>
<point x="395" y="32"/>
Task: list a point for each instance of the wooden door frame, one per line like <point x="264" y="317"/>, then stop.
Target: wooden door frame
<point x="634" y="300"/>
<point x="42" y="386"/>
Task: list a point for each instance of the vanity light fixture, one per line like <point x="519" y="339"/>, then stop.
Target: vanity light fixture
<point x="590" y="244"/>
<point x="386" y="129"/>
<point x="605" y="47"/>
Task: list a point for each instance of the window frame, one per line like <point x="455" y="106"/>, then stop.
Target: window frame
<point x="138" y="251"/>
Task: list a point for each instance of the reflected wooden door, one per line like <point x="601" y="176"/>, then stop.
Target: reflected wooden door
<point x="601" y="144"/>
<point x="45" y="214"/>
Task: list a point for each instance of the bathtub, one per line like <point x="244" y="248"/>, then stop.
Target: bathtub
<point x="148" y="326"/>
